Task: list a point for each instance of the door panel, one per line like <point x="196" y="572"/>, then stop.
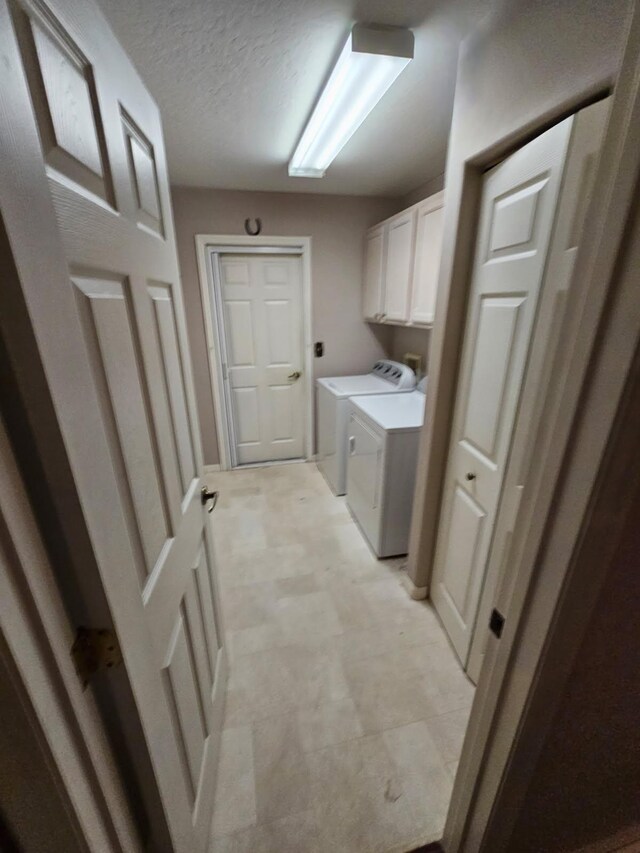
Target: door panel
<point x="114" y="354"/>
<point x="495" y="339"/>
<point x="110" y="330"/>
<point x="399" y="269"/>
<point x="374" y="268"/>
<point x="516" y="217"/>
<point x="261" y="297"/>
<point x="465" y="527"/>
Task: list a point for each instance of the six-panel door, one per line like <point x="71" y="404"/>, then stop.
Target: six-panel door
<point x="517" y="212"/>
<point x="120" y="379"/>
<point x="264" y="354"/>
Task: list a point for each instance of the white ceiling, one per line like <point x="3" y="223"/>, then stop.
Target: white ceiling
<point x="236" y="80"/>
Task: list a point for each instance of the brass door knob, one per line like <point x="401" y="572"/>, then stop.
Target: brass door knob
<point x="295" y="375"/>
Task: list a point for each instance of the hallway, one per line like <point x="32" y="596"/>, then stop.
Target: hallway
<point x="346" y="707"/>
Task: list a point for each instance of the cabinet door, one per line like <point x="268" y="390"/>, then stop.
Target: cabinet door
<point x="374" y="264"/>
<point x="430" y="218"/>
<point x="399" y="268"/>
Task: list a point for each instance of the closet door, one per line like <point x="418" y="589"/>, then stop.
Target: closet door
<point x="399" y="267"/>
<point x="430" y="220"/>
<point x="516" y="217"/>
<point x="375" y="245"/>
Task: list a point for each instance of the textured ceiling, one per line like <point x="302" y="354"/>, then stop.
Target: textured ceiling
<point x="236" y="80"/>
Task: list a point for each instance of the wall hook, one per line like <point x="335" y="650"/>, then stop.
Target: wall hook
<point x="253" y="232"/>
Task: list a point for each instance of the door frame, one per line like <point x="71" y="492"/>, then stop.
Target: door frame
<point x="206" y="246"/>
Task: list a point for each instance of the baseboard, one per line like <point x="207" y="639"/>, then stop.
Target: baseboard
<point x="210" y="469"/>
<point x="418" y="593"/>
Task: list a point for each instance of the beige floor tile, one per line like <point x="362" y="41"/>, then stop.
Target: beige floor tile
<point x="327" y="724"/>
<point x="346" y="705"/>
<point x="426" y="782"/>
<point x="257" y="638"/>
<point x="448" y="731"/>
<point x="313" y="614"/>
<point x="359" y="796"/>
<point x="282" y="680"/>
<point x="386" y="694"/>
<point x="282" y="772"/>
<point x="298" y="833"/>
<point x="235" y="803"/>
<point x="247" y="606"/>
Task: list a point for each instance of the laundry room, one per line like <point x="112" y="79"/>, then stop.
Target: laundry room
<point x="322" y="356"/>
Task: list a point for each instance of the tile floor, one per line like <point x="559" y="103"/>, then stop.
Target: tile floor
<point x="346" y="707"/>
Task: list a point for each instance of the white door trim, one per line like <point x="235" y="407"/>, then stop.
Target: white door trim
<point x="524" y="673"/>
<point x="35" y="640"/>
<point x="205" y="245"/>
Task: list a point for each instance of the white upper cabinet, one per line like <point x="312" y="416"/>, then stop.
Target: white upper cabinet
<point x="430" y="219"/>
<point x="402" y="262"/>
<point x="374" y="267"/>
<point x="399" y="269"/>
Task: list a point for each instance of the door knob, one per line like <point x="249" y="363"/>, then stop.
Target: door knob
<point x="206" y="496"/>
<point x="295" y="375"/>
<point x="470" y="476"/>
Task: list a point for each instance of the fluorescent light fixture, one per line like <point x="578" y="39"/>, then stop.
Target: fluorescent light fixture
<point x="370" y="61"/>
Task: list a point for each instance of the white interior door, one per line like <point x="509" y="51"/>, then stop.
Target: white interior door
<point x="516" y="217"/>
<point x="577" y="183"/>
<point x="109" y="324"/>
<point x="263" y="356"/>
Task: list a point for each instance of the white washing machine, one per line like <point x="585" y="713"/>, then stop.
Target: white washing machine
<point x="383" y="434"/>
<point x="333" y="395"/>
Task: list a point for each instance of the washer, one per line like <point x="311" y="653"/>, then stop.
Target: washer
<point x="333" y="395"/>
<point x="383" y="434"/>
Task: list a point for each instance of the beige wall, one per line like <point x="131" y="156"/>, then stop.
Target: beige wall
<point x="435" y="185"/>
<point x="336" y="225"/>
<point x="411" y="340"/>
<point x="530" y="65"/>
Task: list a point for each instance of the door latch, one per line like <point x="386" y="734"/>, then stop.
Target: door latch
<point x="496" y="623"/>
<point x="94" y="649"/>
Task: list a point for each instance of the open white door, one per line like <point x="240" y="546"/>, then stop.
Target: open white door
<point x="516" y="218"/>
<point x="84" y="144"/>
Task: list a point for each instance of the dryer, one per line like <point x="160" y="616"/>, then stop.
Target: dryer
<point x="383" y="435"/>
<point x="333" y="395"/>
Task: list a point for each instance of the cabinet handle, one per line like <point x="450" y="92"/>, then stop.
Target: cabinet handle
<point x="352" y="445"/>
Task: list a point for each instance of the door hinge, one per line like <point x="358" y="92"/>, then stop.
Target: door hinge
<point x="496" y="623"/>
<point x="94" y="649"/>
<point x="224" y="372"/>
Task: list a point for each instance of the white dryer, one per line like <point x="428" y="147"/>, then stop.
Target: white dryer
<point x="333" y="395"/>
<point x="383" y="436"/>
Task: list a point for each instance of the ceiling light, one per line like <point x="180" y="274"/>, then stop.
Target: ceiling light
<point x="370" y="61"/>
